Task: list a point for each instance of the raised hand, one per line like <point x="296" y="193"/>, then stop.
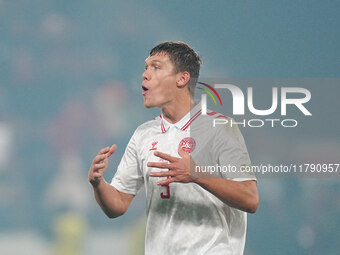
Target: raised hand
<point x="180" y="169"/>
<point x="99" y="164"/>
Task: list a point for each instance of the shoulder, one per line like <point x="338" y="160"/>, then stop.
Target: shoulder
<point x="213" y="121"/>
<point x="144" y="132"/>
<point x="150" y="125"/>
<point x="218" y="124"/>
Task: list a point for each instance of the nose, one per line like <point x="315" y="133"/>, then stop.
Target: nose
<point x="145" y="75"/>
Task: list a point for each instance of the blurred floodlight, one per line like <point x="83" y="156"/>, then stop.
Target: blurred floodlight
<point x="54" y="25"/>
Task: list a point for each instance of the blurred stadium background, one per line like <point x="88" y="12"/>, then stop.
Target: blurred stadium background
<point x="70" y="74"/>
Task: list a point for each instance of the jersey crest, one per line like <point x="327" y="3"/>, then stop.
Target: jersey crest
<point x="188" y="144"/>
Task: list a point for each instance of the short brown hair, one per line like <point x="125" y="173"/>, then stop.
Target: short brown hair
<point x="183" y="57"/>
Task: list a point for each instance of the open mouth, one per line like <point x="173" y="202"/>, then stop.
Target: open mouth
<point x="145" y="90"/>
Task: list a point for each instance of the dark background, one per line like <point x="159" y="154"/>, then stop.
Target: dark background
<point x="70" y="75"/>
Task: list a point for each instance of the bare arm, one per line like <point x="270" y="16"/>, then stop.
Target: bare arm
<point x="113" y="202"/>
<point x="241" y="195"/>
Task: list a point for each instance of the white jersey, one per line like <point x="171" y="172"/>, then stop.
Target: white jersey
<point x="185" y="218"/>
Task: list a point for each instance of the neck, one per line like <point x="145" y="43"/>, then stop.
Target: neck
<point x="175" y="111"/>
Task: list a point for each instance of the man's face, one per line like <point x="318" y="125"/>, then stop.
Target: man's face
<point x="159" y="81"/>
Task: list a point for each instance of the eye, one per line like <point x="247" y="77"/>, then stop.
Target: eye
<point x="156" y="67"/>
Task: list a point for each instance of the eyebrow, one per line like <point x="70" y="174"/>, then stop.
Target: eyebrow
<point x="153" y="62"/>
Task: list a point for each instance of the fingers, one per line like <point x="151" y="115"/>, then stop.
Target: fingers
<point x="105" y="153"/>
<point x="112" y="150"/>
<point x="163" y="165"/>
<point x="104" y="150"/>
<point x="166" y="182"/>
<point x="100" y="166"/>
<point x="162" y="174"/>
<point x="165" y="156"/>
<point x="181" y="152"/>
<point x="99" y="158"/>
<point x="100" y="163"/>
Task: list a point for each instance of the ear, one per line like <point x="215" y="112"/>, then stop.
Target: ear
<point x="183" y="79"/>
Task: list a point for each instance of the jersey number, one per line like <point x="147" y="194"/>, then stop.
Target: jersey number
<point x="167" y="195"/>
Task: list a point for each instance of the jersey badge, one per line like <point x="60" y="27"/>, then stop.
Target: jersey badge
<point x="188" y="144"/>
